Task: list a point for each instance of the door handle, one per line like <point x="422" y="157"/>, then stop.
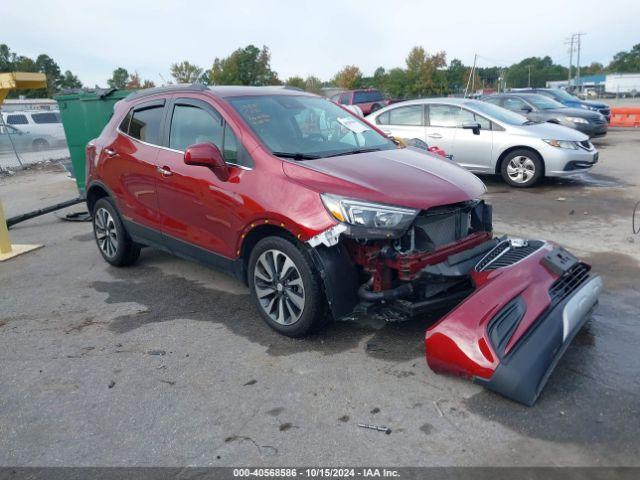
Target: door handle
<point x="434" y="135"/>
<point x="110" y="151"/>
<point x="165" y="171"/>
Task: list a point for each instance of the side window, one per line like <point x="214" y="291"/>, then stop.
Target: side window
<point x="344" y="99"/>
<point x="49" y="117"/>
<point x="230" y="146"/>
<point x="514" y="104"/>
<point x="443" y="115"/>
<point x="17" y="120"/>
<point x="145" y="124"/>
<point x="191" y="125"/>
<point x="411" y="115"/>
<point x="463" y="116"/>
<point x="383" y="119"/>
<point x="124" y="124"/>
<point x="484" y="123"/>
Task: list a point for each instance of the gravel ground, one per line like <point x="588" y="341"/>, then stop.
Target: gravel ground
<point x="167" y="362"/>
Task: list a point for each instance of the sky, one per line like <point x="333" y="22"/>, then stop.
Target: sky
<point x="92" y="38"/>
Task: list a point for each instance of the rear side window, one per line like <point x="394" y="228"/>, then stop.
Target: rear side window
<point x="49" y="117"/>
<point x="145" y="124"/>
<point x="344" y="99"/>
<point x="17" y="120"/>
<point x="411" y="115"/>
<point x="383" y="119"/>
<point x="191" y="125"/>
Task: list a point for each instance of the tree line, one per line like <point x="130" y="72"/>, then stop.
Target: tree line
<point x="423" y="73"/>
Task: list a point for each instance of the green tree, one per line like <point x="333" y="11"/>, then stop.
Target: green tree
<point x="295" y="81"/>
<point x="395" y="83"/>
<point x="245" y="66"/>
<point x="119" y="78"/>
<point x="542" y="70"/>
<point x="349" y="77"/>
<point x="185" y="72"/>
<point x="7" y="59"/>
<point x="69" y="81"/>
<point x="313" y="84"/>
<point x="626" y="62"/>
<point x="46" y="65"/>
<point x="424" y="74"/>
<point x="456" y="75"/>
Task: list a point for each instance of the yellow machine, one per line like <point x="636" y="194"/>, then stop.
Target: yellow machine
<point x="8" y="82"/>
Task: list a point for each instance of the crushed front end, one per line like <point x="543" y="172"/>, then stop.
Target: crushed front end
<point x="508" y="307"/>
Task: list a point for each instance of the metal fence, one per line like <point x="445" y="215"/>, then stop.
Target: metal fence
<point x="22" y="147"/>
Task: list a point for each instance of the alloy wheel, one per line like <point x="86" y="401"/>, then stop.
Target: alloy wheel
<point x="279" y="287"/>
<point x="106" y="232"/>
<point x="521" y="169"/>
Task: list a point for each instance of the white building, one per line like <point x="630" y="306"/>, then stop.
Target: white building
<point x="623" y="83"/>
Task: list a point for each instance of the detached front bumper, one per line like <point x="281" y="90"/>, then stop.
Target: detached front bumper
<point x="523" y="374"/>
<point x="509" y="334"/>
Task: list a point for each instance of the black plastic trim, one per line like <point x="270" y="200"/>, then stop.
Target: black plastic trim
<point x="523" y="373"/>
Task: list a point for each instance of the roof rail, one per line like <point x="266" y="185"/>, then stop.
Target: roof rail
<point x="181" y="87"/>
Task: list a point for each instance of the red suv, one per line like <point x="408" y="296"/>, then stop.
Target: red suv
<point x="369" y="99"/>
<point x="323" y="217"/>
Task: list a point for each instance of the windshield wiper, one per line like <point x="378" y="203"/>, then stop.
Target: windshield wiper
<point x="296" y="156"/>
<point x="531" y="122"/>
<point x="353" y="152"/>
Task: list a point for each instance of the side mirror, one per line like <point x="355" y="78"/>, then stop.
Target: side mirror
<point x="207" y="155"/>
<point x="475" y="126"/>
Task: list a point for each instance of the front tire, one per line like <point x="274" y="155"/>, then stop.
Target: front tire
<point x="113" y="241"/>
<point x="285" y="287"/>
<point x="522" y="168"/>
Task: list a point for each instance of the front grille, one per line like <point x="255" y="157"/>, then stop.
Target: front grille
<point x="586" y="144"/>
<point x="505" y="254"/>
<point x="568" y="282"/>
<point x="492" y="255"/>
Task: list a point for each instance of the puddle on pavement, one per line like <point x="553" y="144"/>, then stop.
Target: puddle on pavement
<point x="551" y="184"/>
<point x="169" y="297"/>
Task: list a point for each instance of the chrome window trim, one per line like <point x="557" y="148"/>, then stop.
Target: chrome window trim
<point x="242" y="167"/>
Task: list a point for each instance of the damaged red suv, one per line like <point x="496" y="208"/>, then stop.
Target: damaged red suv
<point x="323" y="217"/>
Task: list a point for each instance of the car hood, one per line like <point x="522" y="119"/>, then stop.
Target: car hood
<point x="406" y="177"/>
<point x="574" y="112"/>
<point x="553" y="131"/>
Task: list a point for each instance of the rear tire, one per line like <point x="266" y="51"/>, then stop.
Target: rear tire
<point x="522" y="168"/>
<point x="40" y="144"/>
<point x="113" y="241"/>
<point x="286" y="288"/>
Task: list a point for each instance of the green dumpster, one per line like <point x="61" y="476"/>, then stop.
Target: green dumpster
<point x="84" y="114"/>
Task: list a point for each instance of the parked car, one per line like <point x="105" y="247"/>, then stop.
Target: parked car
<point x="569" y="100"/>
<point x="539" y="108"/>
<point x="11" y="137"/>
<point x="323" y="216"/>
<point x="369" y="100"/>
<point x="45" y="123"/>
<point x="489" y="139"/>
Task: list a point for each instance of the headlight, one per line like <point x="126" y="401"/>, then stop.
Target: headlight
<point x="561" y="144"/>
<point x="366" y="214"/>
<point x="577" y="120"/>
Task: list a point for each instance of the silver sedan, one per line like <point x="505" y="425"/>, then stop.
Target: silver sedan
<point x="488" y="139"/>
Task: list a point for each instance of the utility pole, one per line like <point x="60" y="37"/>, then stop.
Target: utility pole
<point x="473" y="72"/>
<point x="529" y="82"/>
<point x="570" y="43"/>
<point x="579" y="36"/>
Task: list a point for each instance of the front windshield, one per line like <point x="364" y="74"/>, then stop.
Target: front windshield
<point x="544" y="103"/>
<point x="564" y="95"/>
<point x="498" y="113"/>
<point x="304" y="127"/>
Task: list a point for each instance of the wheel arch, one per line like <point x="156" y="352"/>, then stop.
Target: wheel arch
<point x="95" y="192"/>
<point x="506" y="152"/>
<point x="250" y="238"/>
